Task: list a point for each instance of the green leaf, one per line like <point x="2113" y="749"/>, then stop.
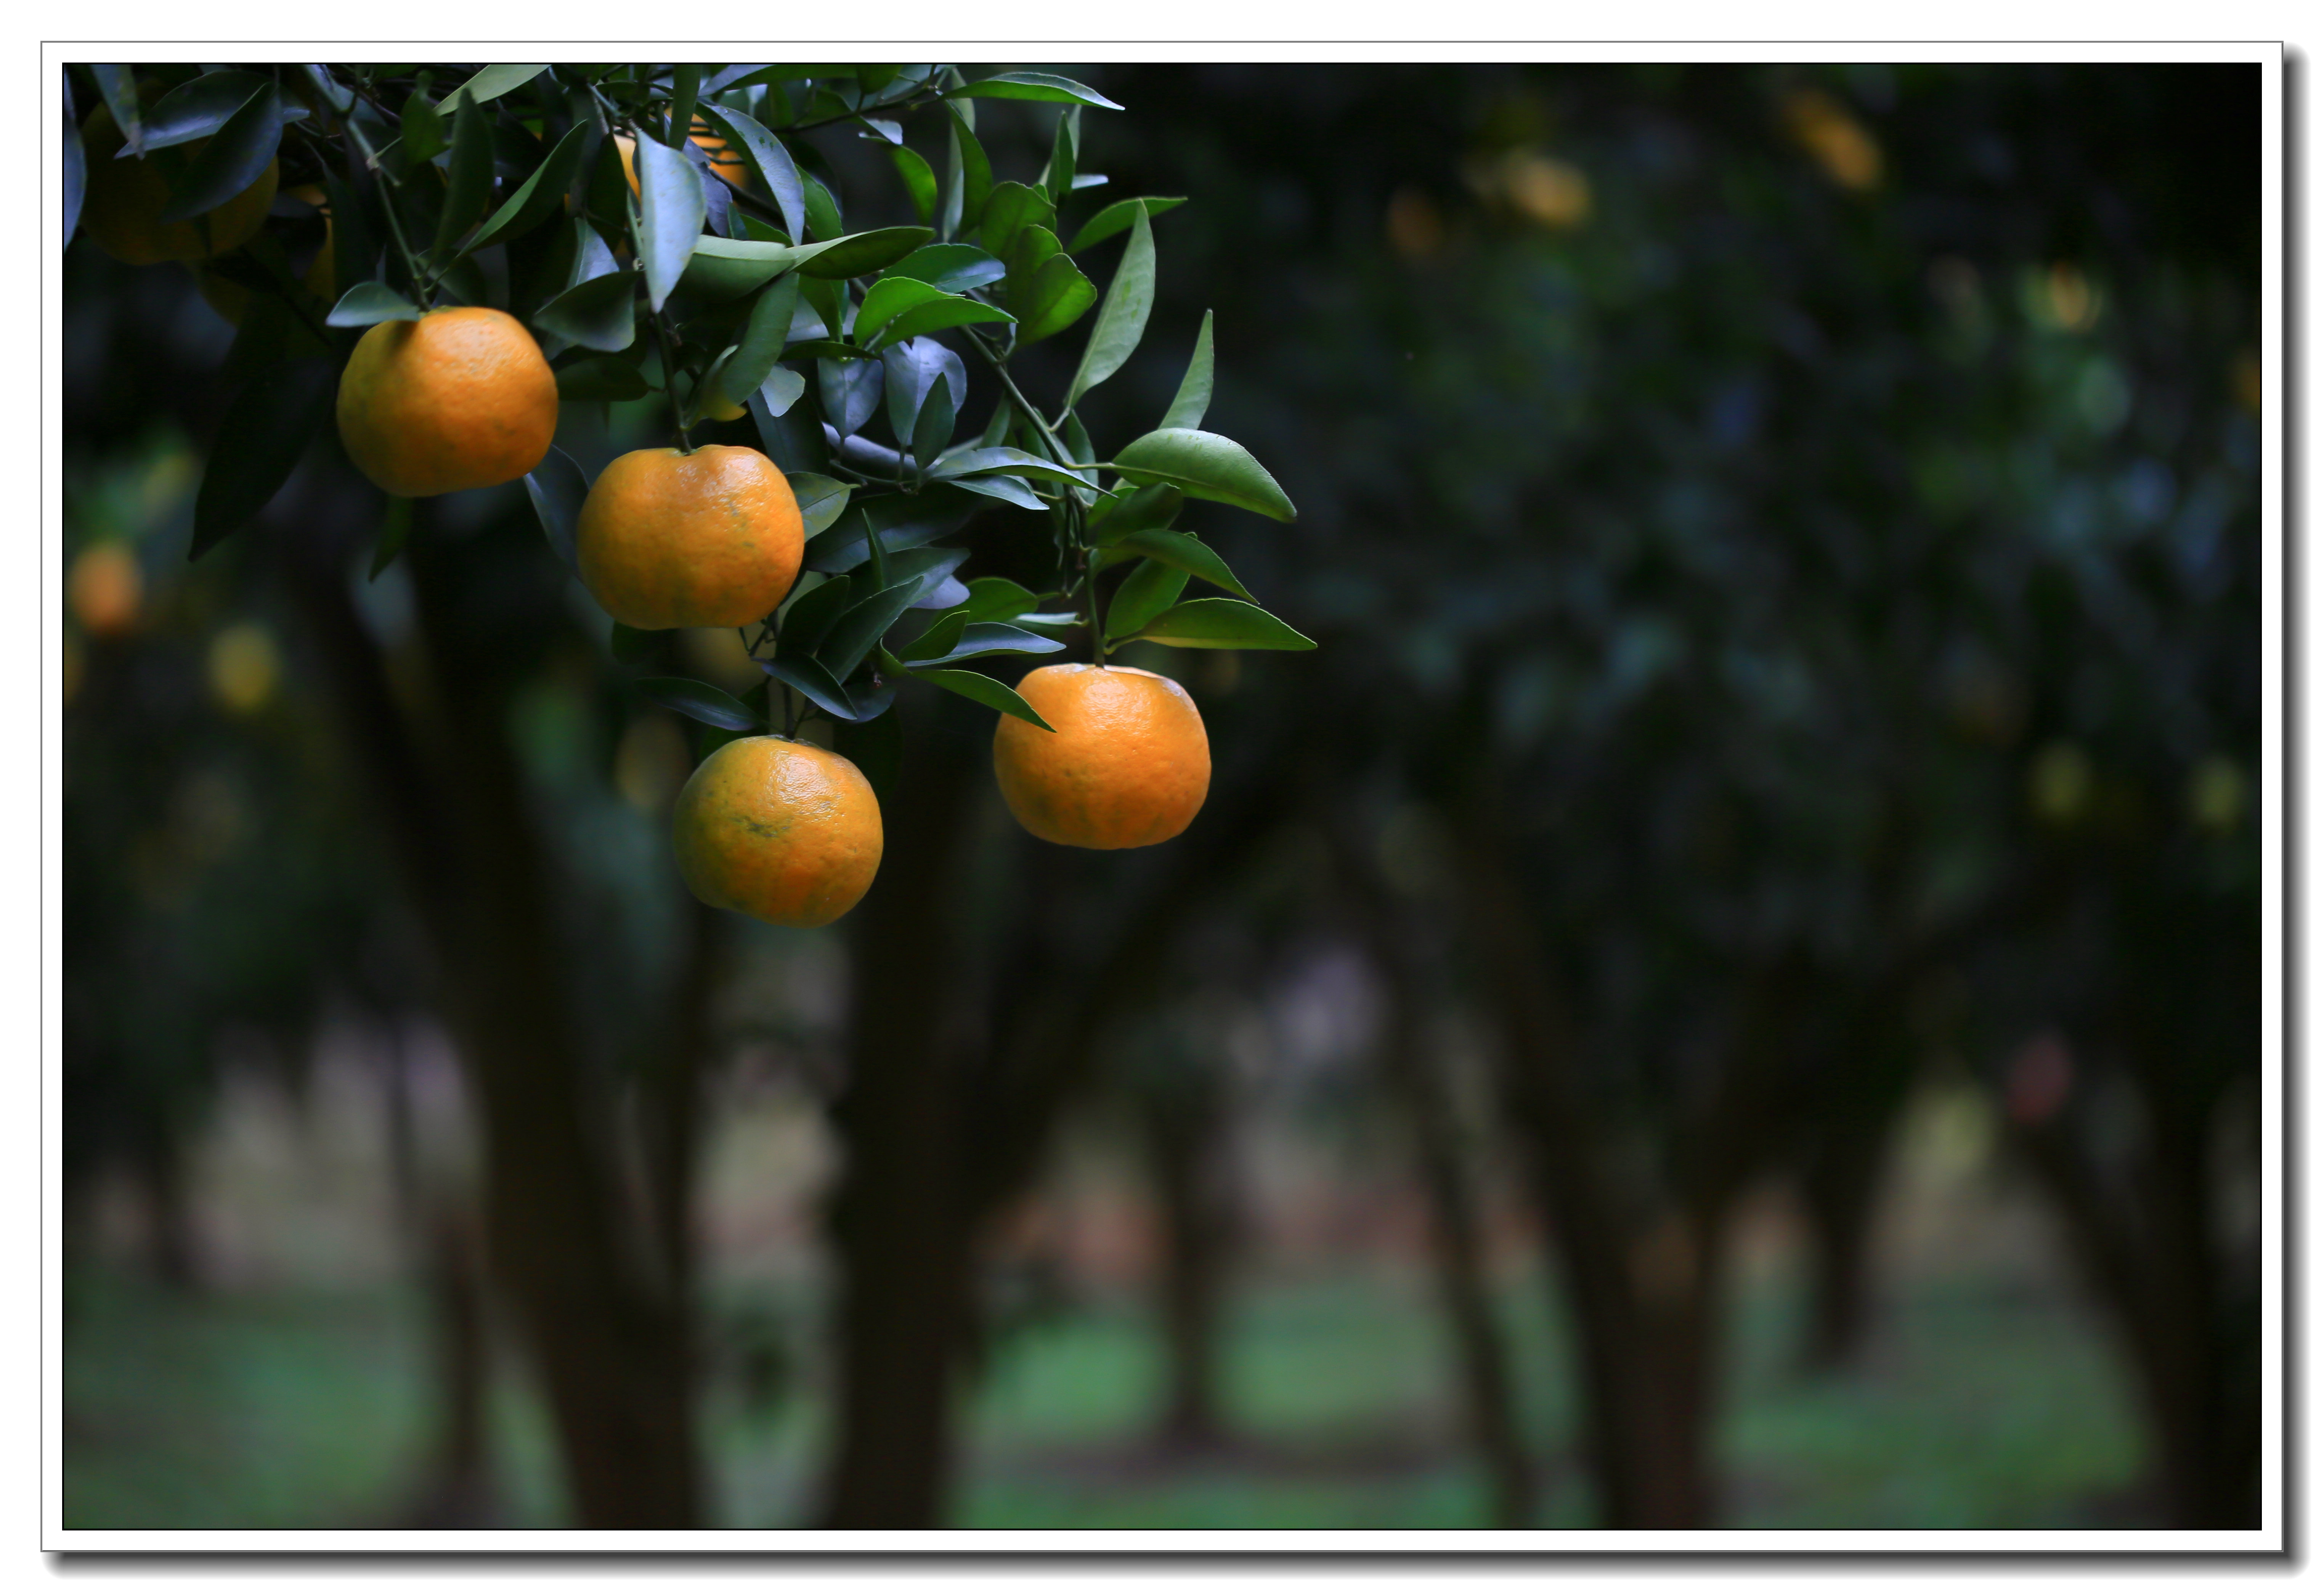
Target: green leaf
<point x="199" y="108"/>
<point x="1009" y="210"/>
<point x="669" y="216"/>
<point x="491" y="83"/>
<point x="823" y="219"/>
<point x="1008" y="489"/>
<point x="919" y="180"/>
<point x="1046" y="290"/>
<point x="700" y="701"/>
<point x="972" y="172"/>
<point x="936" y="640"/>
<point x="558" y="490"/>
<point x="943" y="314"/>
<point x="1057" y="179"/>
<point x="902" y="522"/>
<point x="600" y="379"/>
<point x="766" y="155"/>
<point x="888" y="298"/>
<point x="1145" y="593"/>
<point x="1194" y="400"/>
<point x="780" y="390"/>
<point x="468" y="180"/>
<point x="820" y="498"/>
<point x="536" y="197"/>
<point x="984" y="689"/>
<point x="754" y="356"/>
<point x="1181" y="551"/>
<point x="1204" y="464"/>
<point x="600" y="313"/>
<point x="982" y="640"/>
<point x="118" y="84"/>
<point x="1146" y="509"/>
<point x="1121" y="319"/>
<point x="1116" y="217"/>
<point x="260" y="440"/>
<point x="996" y="597"/>
<point x="1221" y="622"/>
<point x="955" y="268"/>
<point x="728" y="268"/>
<point x="684" y="88"/>
<point x="395" y="531"/>
<point x="76" y="166"/>
<point x="812" y="681"/>
<point x="232" y="161"/>
<point x="808" y="619"/>
<point x="858" y="254"/>
<point x="1015" y="461"/>
<point x="1034" y="86"/>
<point x="423" y="129"/>
<point x="855" y="632"/>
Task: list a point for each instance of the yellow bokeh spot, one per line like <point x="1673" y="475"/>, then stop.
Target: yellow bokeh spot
<point x="1552" y="192"/>
<point x="719" y="656"/>
<point x="243" y="667"/>
<point x="2068" y="300"/>
<point x="2059" y="784"/>
<point x="2217" y="793"/>
<point x="2246" y="378"/>
<point x="1415" y="229"/>
<point x="1835" y="140"/>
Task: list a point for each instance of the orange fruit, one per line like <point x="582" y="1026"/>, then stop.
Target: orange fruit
<point x="1128" y="764"/>
<point x="460" y="398"/>
<point x="723" y="160"/>
<point x="782" y="830"/>
<point x="124" y="199"/>
<point x="104" y="588"/>
<point x="710" y="538"/>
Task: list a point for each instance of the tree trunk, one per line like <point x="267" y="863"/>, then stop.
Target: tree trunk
<point x="899" y="1224"/>
<point x="608" y="1344"/>
<point x="1183" y="1117"/>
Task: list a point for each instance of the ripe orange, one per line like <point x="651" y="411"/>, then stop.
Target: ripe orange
<point x="1128" y="764"/>
<point x="460" y="398"/>
<point x="782" y="830"/>
<point x="724" y="162"/>
<point x="710" y="538"/>
<point x="104" y="588"/>
<point x="124" y="199"/>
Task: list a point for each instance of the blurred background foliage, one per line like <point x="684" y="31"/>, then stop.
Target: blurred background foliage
<point x="1727" y="990"/>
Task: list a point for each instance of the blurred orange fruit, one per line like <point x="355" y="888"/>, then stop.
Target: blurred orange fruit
<point x="125" y="201"/>
<point x="458" y="398"/>
<point x="104" y="588"/>
<point x="1128" y="765"/>
<point x="782" y="830"/>
<point x="711" y="537"/>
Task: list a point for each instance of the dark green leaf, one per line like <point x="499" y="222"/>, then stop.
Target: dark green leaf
<point x="936" y="640"/>
<point x="1183" y="552"/>
<point x="1035" y="85"/>
<point x="812" y="681"/>
<point x="931" y="567"/>
<point x="1046" y="290"/>
<point x="761" y="344"/>
<point x="602" y="379"/>
<point x="1008" y="489"/>
<point x="902" y="522"/>
<point x="727" y="267"/>
<point x="850" y="390"/>
<point x="1015" y="461"/>
<point x="198" y="108"/>
<point x="686" y="87"/>
<point x="919" y="182"/>
<point x="423" y="129"/>
<point x="972" y="172"/>
<point x="984" y="689"/>
<point x="395" y="531"/>
<point x="669" y="216"/>
<point x="536" y="199"/>
<point x="260" y="440"/>
<point x="1057" y="179"/>
<point x="781" y="390"/>
<point x="859" y="253"/>
<point x="698" y="700"/>
<point x="1009" y="210"/>
<point x="822" y="348"/>
<point x="1116" y="217"/>
<point x="996" y="597"/>
<point x="1194" y="400"/>
<point x="955" y="268"/>
<point x="76" y="167"/>
<point x="366" y="304"/>
<point x="821" y="499"/>
<point x="468" y="180"/>
<point x="1145" y="593"/>
<point x="822" y="218"/>
<point x="1204" y="464"/>
<point x="558" y="490"/>
<point x="600" y="313"/>
<point x="1146" y="509"/>
<point x="491" y="83"/>
<point x="1221" y="622"/>
<point x="119" y="86"/>
<point x="232" y="161"/>
<point x="888" y="298"/>
<point x="976" y="641"/>
<point x="1121" y="319"/>
<point x="808" y="619"/>
<point x="856" y="631"/>
<point x="942" y="314"/>
<point x="914" y="370"/>
<point x="767" y="156"/>
<point x="792" y="436"/>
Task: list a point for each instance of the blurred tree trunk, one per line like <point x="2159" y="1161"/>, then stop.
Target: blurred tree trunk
<point x="898" y="1225"/>
<point x="1853" y="1128"/>
<point x="1488" y="1386"/>
<point x="1183" y="1117"/>
<point x="609" y="1344"/>
<point x="157" y="1166"/>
